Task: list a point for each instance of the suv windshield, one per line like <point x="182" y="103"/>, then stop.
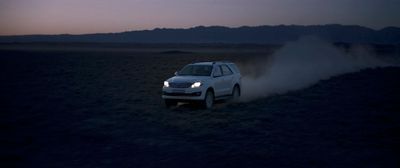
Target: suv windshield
<point x="196" y="70"/>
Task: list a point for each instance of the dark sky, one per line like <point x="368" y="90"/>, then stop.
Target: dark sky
<point x="92" y="16"/>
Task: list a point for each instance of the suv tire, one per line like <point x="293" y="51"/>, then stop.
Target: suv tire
<point x="235" y="93"/>
<point x="208" y="101"/>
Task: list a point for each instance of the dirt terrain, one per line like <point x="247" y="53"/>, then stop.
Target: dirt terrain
<point x="95" y="107"/>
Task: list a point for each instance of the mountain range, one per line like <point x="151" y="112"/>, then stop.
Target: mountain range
<point x="218" y="34"/>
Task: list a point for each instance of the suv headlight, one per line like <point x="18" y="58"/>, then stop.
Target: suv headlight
<point x="166" y="84"/>
<point x="196" y="85"/>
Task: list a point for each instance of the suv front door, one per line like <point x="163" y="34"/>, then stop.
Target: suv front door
<point x="218" y="81"/>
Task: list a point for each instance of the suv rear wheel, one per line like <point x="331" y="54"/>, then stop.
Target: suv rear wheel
<point x="235" y="93"/>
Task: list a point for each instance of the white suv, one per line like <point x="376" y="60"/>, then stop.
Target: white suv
<point x="203" y="82"/>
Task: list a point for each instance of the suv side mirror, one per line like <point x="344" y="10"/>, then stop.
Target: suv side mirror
<point x="176" y="73"/>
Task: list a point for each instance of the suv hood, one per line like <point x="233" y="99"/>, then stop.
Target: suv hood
<point x="191" y="79"/>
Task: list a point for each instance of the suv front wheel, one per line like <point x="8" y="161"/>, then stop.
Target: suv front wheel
<point x="208" y="99"/>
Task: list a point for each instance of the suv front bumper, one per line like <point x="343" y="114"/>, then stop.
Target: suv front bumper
<point x="183" y="93"/>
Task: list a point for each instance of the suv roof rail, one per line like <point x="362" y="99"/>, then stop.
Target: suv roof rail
<point x="222" y="61"/>
<point x="213" y="62"/>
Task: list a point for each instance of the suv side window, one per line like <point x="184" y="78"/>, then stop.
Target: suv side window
<point x="233" y="67"/>
<point x="217" y="71"/>
<point x="226" y="70"/>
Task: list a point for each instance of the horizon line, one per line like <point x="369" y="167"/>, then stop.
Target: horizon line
<point x="193" y="27"/>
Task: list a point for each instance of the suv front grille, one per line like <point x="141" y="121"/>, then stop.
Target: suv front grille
<point x="180" y="85"/>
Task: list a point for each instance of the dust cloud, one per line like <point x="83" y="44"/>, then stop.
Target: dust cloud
<point x="300" y="64"/>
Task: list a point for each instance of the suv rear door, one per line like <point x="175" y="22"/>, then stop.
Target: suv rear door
<point x="227" y="80"/>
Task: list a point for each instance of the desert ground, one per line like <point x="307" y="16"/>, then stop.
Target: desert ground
<point x="99" y="105"/>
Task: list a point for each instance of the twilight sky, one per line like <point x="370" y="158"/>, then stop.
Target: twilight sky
<point x="92" y="16"/>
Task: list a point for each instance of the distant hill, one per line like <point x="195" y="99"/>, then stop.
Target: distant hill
<point x="218" y="34"/>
